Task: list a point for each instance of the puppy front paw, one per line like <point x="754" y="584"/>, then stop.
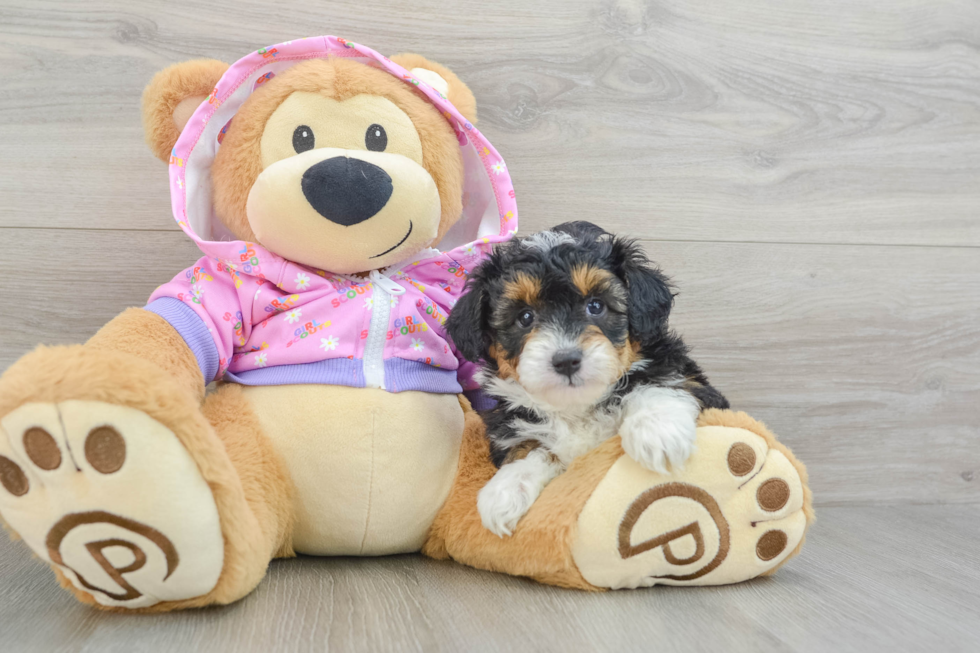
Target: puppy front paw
<point x="661" y="433"/>
<point x="505" y="499"/>
<point x="509" y="494"/>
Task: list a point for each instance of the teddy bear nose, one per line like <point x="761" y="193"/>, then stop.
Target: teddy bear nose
<point x="346" y="190"/>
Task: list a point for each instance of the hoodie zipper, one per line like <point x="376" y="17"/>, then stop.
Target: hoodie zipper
<point x="374" y="365"/>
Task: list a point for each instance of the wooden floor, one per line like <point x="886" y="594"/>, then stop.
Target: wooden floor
<point x="884" y="578"/>
<point x="808" y="173"/>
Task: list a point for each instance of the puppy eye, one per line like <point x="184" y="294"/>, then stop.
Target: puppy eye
<point x="376" y="138"/>
<point x="303" y="139"/>
<point x="525" y="318"/>
<point x="595" y="307"/>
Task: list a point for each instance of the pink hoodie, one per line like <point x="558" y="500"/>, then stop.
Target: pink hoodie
<point x="254" y="318"/>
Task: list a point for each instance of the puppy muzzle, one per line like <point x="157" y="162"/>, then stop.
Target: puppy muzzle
<point x="556" y="367"/>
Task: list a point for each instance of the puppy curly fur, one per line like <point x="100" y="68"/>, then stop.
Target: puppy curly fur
<point x="571" y="326"/>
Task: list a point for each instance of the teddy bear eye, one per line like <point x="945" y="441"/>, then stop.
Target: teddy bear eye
<point x="303" y="139"/>
<point x="376" y="138"/>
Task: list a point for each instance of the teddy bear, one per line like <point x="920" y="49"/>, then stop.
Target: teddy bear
<point x="294" y="392"/>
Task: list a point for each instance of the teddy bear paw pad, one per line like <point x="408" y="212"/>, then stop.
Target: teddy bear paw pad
<point x="109" y="496"/>
<point x="733" y="513"/>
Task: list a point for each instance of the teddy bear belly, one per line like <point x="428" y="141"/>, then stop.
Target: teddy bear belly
<point x="371" y="468"/>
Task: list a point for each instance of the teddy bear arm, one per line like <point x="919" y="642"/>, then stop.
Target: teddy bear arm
<point x="148" y="336"/>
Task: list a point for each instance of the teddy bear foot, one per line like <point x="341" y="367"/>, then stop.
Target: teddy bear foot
<point x="738" y="510"/>
<point x="109" y="497"/>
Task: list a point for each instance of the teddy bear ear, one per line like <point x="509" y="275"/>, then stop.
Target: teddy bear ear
<point x="171" y="98"/>
<point x="442" y="79"/>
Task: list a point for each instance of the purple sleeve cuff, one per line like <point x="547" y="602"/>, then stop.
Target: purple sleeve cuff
<point x="480" y="400"/>
<point x="192" y="329"/>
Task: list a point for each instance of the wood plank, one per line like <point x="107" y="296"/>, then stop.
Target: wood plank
<point x="870" y="579"/>
<point x="676" y="120"/>
<point x="863" y="359"/>
<point x="67" y="283"/>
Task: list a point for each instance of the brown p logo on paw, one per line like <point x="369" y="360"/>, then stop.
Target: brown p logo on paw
<point x="96" y="549"/>
<point x="683" y="491"/>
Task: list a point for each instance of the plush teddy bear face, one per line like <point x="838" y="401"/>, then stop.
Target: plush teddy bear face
<point x="339" y="165"/>
<point x="343" y="181"/>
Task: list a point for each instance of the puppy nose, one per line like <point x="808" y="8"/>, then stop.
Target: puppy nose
<point x="567" y="362"/>
<point x="346" y="190"/>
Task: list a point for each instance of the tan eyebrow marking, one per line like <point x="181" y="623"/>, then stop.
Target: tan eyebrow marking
<point x="523" y="288"/>
<point x="589" y="279"/>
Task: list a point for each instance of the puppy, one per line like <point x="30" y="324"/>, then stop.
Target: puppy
<point x="570" y="326"/>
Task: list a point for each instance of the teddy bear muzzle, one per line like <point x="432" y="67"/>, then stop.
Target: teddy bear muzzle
<point x="345" y="210"/>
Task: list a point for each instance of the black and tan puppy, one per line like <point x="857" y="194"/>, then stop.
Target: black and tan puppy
<point x="571" y="328"/>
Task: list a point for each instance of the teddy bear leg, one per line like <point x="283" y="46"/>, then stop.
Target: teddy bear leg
<point x="738" y="510"/>
<point x="266" y="485"/>
<point x="112" y="474"/>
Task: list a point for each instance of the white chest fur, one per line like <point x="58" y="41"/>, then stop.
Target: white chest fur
<point x="565" y="433"/>
<point x="569" y="435"/>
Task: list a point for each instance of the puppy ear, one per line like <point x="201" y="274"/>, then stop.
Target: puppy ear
<point x="468" y="322"/>
<point x="650" y="296"/>
<point x="171" y="98"/>
<point x="442" y="79"/>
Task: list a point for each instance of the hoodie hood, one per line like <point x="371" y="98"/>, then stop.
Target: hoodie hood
<point x="256" y="318"/>
<point x="489" y="209"/>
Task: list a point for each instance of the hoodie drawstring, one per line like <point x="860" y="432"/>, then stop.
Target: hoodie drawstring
<point x="386" y="283"/>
